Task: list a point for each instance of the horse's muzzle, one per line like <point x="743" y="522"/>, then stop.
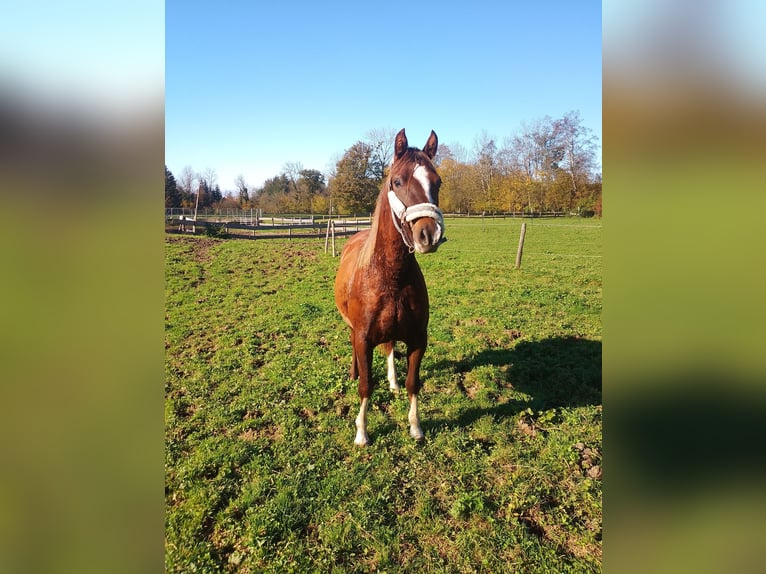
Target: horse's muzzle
<point x="427" y="234"/>
<point x="425" y="221"/>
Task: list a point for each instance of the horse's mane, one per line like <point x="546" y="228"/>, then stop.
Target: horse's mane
<point x="367" y="249"/>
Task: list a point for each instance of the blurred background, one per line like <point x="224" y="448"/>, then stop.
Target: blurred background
<point x="684" y="115"/>
<point x="81" y="170"/>
<point x="81" y="238"/>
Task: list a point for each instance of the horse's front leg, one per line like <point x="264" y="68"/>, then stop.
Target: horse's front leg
<point x="363" y="360"/>
<point x="413" y="384"/>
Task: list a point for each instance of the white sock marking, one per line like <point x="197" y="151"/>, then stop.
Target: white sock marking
<point x="392" y="384"/>
<point x="361" y="425"/>
<point x="415" y="431"/>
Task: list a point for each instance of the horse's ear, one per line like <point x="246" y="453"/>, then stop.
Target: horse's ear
<point x="431" y="145"/>
<point x="400" y="144"/>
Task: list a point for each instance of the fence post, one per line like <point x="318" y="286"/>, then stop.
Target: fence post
<point x="327" y="235"/>
<point x="521" y="245"/>
<point x="333" y="238"/>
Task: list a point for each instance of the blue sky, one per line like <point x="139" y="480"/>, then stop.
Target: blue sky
<point x="91" y="55"/>
<point x="251" y="86"/>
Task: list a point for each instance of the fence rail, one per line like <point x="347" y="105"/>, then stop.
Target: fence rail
<point x="266" y="227"/>
<point x="253" y="224"/>
<point x="252" y="216"/>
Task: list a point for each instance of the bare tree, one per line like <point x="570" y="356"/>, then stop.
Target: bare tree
<point x="208" y="176"/>
<point x="458" y="151"/>
<point x="293" y="169"/>
<point x="486" y="168"/>
<point x="381" y="142"/>
<point x="578" y="153"/>
<point x="537" y="154"/>
<point x="187" y="179"/>
<point x="331" y="167"/>
<point x="243" y="198"/>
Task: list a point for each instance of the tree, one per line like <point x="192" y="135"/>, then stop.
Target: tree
<point x="216" y="196"/>
<point x="203" y="195"/>
<point x="229" y="201"/>
<point x="310" y="184"/>
<point x="456" y="193"/>
<point x="355" y="186"/>
<point x="486" y="170"/>
<point x="172" y="193"/>
<point x="312" y="181"/>
<point x="186" y="185"/>
<point x="209" y="176"/>
<point x="292" y="170"/>
<point x="243" y="197"/>
<point x="208" y="192"/>
<point x="271" y="197"/>
<point x="276" y="185"/>
<point x="578" y="154"/>
<point x="537" y="153"/>
<point x="381" y="142"/>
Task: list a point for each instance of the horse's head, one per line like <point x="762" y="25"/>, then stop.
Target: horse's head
<point x="413" y="194"/>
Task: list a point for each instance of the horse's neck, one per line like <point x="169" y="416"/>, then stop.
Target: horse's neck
<point x="385" y="245"/>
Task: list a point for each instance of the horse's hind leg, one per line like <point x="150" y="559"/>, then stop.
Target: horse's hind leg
<point x="414" y="357"/>
<point x="363" y="360"/>
<point x="393" y="385"/>
<point x="354" y="373"/>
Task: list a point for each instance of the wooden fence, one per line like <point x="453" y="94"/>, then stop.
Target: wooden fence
<point x="266" y="227"/>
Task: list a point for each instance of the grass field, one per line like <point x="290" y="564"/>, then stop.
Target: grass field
<point x="261" y="471"/>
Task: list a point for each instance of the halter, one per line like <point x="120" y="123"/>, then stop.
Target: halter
<point x="402" y="214"/>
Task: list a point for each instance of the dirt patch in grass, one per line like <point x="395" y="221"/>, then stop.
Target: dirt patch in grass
<point x="271" y="432"/>
<point x="199" y="247"/>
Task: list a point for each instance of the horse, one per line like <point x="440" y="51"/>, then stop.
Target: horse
<point x="380" y="291"/>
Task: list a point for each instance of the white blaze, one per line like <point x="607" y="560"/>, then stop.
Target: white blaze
<point x="421" y="174"/>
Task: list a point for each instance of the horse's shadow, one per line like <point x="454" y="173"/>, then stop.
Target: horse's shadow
<point x="555" y="372"/>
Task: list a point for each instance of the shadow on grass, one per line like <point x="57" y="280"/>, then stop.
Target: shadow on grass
<point x="556" y="372"/>
<point x="688" y="430"/>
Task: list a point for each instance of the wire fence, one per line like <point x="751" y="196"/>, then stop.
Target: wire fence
<point x="233" y="213"/>
<point x="254" y="224"/>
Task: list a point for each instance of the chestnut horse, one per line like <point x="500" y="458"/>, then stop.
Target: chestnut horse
<point x="379" y="289"/>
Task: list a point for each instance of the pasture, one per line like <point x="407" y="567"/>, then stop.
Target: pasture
<point x="261" y="473"/>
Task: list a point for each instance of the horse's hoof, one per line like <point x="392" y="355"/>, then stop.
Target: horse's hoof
<point x="361" y="440"/>
<point x="417" y="434"/>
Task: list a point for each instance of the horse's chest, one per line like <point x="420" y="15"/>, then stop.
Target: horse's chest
<point x="389" y="308"/>
<point x="394" y="311"/>
<point x="396" y="315"/>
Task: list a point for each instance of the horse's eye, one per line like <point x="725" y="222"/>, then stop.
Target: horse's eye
<point x="398" y="182"/>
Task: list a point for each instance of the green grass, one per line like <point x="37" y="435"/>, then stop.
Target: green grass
<point x="261" y="471"/>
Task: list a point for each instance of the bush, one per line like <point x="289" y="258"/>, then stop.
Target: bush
<point x="215" y="229"/>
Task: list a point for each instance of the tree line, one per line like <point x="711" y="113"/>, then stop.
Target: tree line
<point x="548" y="165"/>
